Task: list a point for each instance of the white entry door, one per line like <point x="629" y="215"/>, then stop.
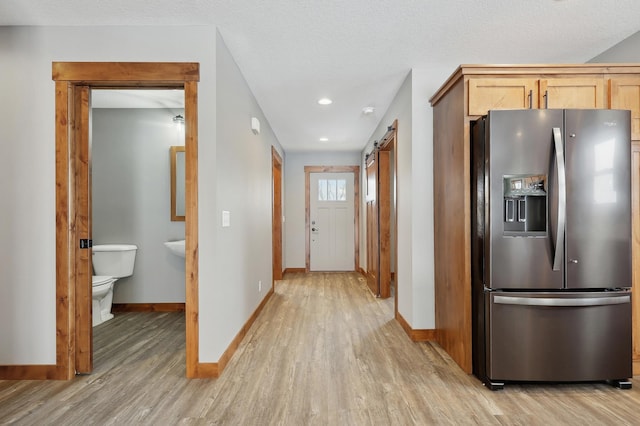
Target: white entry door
<point x="332" y="220"/>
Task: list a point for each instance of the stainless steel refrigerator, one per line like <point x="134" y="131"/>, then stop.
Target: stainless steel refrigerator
<point x="551" y="246"/>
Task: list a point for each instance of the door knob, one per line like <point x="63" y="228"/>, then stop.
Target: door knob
<point x="314" y="229"/>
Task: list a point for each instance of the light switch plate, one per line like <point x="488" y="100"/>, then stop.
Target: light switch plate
<point x="226" y="219"/>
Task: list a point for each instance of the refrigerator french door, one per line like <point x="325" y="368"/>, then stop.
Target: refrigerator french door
<point x="551" y="246"/>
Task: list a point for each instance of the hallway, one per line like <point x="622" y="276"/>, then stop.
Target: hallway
<point x="323" y="351"/>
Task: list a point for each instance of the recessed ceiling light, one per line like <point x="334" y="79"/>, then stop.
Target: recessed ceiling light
<point x="324" y="139"/>
<point x="325" y="101"/>
<point x="368" y="110"/>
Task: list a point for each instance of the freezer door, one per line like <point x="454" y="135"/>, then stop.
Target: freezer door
<point x="520" y="188"/>
<point x="598" y="225"/>
<point x="558" y="336"/>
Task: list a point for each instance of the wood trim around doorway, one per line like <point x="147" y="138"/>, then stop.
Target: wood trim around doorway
<point x="390" y="143"/>
<point x="68" y="76"/>
<point x="356" y="207"/>
<point x="276" y="227"/>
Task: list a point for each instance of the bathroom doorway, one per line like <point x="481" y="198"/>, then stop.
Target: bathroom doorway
<point x="74" y="82"/>
<point x="135" y="135"/>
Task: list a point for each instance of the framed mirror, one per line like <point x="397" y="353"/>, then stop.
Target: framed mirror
<point x="177" y="183"/>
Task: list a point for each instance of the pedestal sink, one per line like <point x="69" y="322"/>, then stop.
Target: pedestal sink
<point x="176" y="247"/>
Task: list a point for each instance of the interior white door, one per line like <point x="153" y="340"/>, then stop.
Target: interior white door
<point x="332" y="222"/>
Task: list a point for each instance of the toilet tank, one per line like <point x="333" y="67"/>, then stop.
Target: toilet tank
<point x="114" y="260"/>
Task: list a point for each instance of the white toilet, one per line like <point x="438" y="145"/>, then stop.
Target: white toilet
<point x="110" y="262"/>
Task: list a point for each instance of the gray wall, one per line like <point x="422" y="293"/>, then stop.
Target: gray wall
<point x="243" y="188"/>
<point x="628" y="50"/>
<point x="131" y="198"/>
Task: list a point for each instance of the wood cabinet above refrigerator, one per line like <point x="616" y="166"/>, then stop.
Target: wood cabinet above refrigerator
<point x="522" y="93"/>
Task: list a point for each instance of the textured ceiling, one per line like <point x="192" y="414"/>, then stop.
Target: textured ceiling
<point x="358" y="52"/>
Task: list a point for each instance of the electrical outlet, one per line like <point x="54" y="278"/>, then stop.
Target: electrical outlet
<point x="259" y="285"/>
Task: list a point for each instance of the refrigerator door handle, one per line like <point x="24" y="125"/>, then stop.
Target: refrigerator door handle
<point x="562" y="200"/>
<point x="555" y="301"/>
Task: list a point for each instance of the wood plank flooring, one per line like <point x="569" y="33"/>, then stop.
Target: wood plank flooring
<point x="322" y="352"/>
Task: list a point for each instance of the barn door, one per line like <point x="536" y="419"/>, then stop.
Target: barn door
<point x="379" y="224"/>
<point x="372" y="226"/>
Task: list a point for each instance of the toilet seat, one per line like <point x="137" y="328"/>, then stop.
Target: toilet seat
<point x="98" y="280"/>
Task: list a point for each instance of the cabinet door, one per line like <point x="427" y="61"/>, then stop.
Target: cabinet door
<point x="572" y="93"/>
<point x="624" y="93"/>
<point x="501" y="93"/>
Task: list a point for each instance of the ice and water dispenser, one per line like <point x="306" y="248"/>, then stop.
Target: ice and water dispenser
<point x="525" y="205"/>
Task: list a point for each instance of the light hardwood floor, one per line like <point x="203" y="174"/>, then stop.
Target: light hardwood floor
<point x="322" y="352"/>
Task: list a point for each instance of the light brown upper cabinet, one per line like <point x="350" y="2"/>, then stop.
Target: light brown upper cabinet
<point x="624" y="93"/>
<point x="501" y="93"/>
<point x="522" y="93"/>
<point x="572" y="93"/>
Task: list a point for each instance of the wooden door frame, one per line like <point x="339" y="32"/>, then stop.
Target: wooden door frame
<point x="390" y="143"/>
<point x="356" y="208"/>
<point x="276" y="228"/>
<point x="70" y="79"/>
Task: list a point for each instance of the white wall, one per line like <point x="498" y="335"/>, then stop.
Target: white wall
<point x="294" y="256"/>
<point x="131" y="197"/>
<point x="628" y="50"/>
<point x="27" y="167"/>
<point x="243" y="185"/>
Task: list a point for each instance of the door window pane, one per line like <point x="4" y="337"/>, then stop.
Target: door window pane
<point x="322" y="189"/>
<point x="342" y="190"/>
<point x="332" y="190"/>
